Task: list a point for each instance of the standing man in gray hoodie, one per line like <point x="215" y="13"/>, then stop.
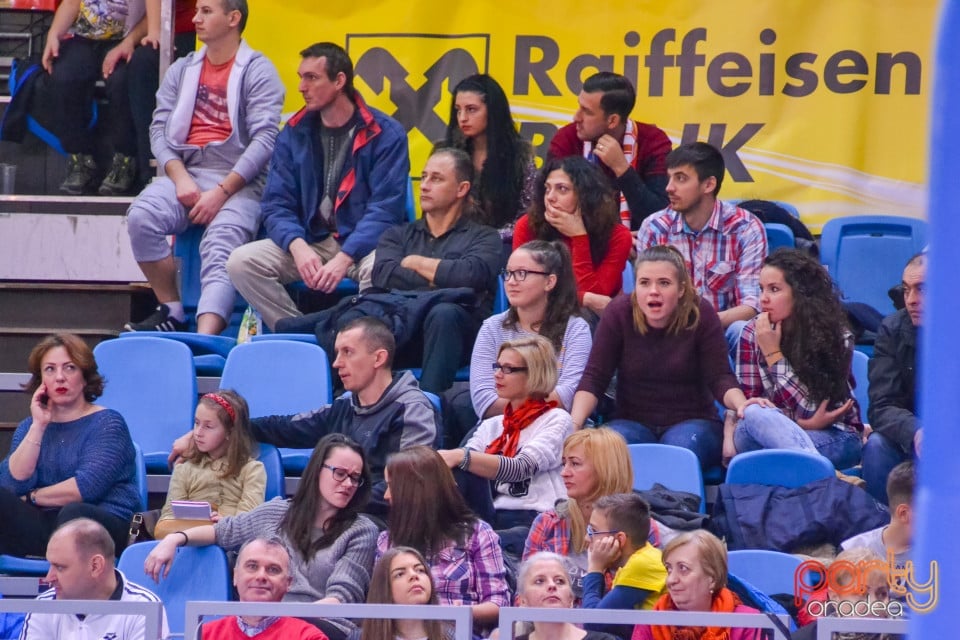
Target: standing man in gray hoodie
<point x="217" y="117"/>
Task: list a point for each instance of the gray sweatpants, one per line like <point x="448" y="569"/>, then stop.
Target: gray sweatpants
<point x="156" y="213"/>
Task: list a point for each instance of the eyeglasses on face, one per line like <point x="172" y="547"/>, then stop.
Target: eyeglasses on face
<point x="593" y="532"/>
<point x="507" y="369"/>
<point x="520" y="274"/>
<point x="340" y="474"/>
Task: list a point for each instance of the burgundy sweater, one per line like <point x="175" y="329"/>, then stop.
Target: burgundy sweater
<point x="663" y="379"/>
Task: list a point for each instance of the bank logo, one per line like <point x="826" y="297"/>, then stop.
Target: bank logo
<point x="409" y="76"/>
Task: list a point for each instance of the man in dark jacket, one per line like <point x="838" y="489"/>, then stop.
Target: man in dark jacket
<point x="338" y="180"/>
<point x="385" y="412"/>
<point x="442" y="250"/>
<point x="897" y="433"/>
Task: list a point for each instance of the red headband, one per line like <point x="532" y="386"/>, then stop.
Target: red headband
<point x="220" y="400"/>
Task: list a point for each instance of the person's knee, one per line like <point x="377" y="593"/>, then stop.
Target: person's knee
<point x="238" y="260"/>
<point x="445" y="317"/>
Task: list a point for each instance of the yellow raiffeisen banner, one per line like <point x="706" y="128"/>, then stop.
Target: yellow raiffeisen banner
<point x="819" y="103"/>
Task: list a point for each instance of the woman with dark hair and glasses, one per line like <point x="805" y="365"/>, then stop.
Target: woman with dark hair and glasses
<point x="574" y="203"/>
<point x="331" y="545"/>
<point x="520" y="450"/>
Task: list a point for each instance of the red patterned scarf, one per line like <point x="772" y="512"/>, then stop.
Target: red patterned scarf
<point x="515" y="421"/>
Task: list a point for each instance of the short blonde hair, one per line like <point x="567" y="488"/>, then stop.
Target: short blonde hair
<point x="541" y="360"/>
<point x="710" y="550"/>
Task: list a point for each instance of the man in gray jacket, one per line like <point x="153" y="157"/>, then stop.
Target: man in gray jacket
<point x="217" y="117"/>
<point x="385" y="412"/>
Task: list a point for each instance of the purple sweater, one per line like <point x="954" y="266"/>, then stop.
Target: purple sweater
<point x="663" y="379"/>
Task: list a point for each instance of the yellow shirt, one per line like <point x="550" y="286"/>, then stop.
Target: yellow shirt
<point x="644" y="570"/>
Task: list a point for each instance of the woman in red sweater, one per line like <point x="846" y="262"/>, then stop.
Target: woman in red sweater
<point x="575" y="203"/>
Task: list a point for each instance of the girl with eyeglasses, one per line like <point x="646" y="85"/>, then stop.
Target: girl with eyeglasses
<point x="428" y="513"/>
<point x="576" y="204"/>
<point x="520" y="450"/>
<point x="331" y="545"/>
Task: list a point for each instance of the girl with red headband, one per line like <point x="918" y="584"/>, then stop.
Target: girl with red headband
<point x="219" y="467"/>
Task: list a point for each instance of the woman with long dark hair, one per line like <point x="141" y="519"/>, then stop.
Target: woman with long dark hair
<point x="797" y="353"/>
<point x="428" y="513"/>
<point x="402" y="576"/>
<point x="481" y="124"/>
<point x="331" y="545"/>
<point x="574" y="203"/>
<point x="668" y="350"/>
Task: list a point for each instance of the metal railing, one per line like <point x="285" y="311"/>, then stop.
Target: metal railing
<point x="511" y="615"/>
<point x="151" y="611"/>
<point x="461" y="616"/>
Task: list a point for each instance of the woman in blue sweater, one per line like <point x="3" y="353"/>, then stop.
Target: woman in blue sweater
<point x="70" y="458"/>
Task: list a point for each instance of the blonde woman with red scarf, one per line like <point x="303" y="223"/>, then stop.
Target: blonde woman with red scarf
<point x="696" y="563"/>
<point x="520" y="450"/>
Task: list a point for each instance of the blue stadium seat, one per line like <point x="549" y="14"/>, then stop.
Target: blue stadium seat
<point x="778" y="467"/>
<point x="269" y="455"/>
<point x="676" y="468"/>
<point x="209" y="352"/>
<point x="860" y="366"/>
<point x="629" y="278"/>
<point x="772" y="572"/>
<point x="280" y="377"/>
<point x="866" y="255"/>
<point x="197" y="573"/>
<point x="152" y="383"/>
<point x="779" y="235"/>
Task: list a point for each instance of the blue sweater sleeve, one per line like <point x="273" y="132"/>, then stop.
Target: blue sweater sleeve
<point x="7" y="481"/>
<point x="619" y="597"/>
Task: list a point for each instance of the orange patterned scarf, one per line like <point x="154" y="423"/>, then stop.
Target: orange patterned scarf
<point x="515" y="421"/>
<point x="724" y="602"/>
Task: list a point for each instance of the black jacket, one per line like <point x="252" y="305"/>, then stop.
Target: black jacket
<point x="893" y="383"/>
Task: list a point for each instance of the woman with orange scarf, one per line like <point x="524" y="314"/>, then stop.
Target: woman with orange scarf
<point x="519" y="450"/>
<point x="696" y="564"/>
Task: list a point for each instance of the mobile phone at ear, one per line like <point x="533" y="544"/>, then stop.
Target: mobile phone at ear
<point x="44" y="399"/>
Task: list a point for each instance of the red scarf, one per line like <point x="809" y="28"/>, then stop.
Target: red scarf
<point x="515" y="421"/>
<point x="725" y="601"/>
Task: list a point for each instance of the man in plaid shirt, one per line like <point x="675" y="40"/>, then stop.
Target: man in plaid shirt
<point x="723" y="245"/>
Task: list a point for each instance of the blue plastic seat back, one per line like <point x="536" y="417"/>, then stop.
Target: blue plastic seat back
<point x="862" y="391"/>
<point x="770" y="571"/>
<point x="778" y="467"/>
<point x="676" y="468"/>
<point x="141" y="477"/>
<point x="866" y="255"/>
<point x="629" y="278"/>
<point x="269" y="455"/>
<point x="197" y="573"/>
<point x="152" y="383"/>
<point x="779" y="235"/>
<point x="279" y="377"/>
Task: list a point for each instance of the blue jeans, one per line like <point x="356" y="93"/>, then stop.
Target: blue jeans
<point x="763" y="428"/>
<point x="880" y="456"/>
<point x="703" y="437"/>
<point x="732" y="335"/>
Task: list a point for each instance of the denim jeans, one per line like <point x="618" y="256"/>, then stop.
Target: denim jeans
<point x="732" y="336"/>
<point x="880" y="456"/>
<point x="703" y="437"/>
<point x="763" y="428"/>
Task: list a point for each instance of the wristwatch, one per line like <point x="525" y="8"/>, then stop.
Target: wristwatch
<point x="33" y="497"/>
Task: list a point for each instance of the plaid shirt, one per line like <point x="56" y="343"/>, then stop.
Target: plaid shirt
<point x="467" y="575"/>
<point x="723" y="258"/>
<point x="779" y="383"/>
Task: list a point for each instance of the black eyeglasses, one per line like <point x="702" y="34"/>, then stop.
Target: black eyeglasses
<point x="507" y="369"/>
<point x="340" y="474"/>
<point x="519" y="274"/>
<point x="593" y="532"/>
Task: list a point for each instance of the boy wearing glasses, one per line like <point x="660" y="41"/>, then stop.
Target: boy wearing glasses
<point x="617" y="538"/>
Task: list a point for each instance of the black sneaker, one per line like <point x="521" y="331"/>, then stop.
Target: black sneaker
<point x="159" y="320"/>
<point x="120" y="178"/>
<point x="80" y="173"/>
